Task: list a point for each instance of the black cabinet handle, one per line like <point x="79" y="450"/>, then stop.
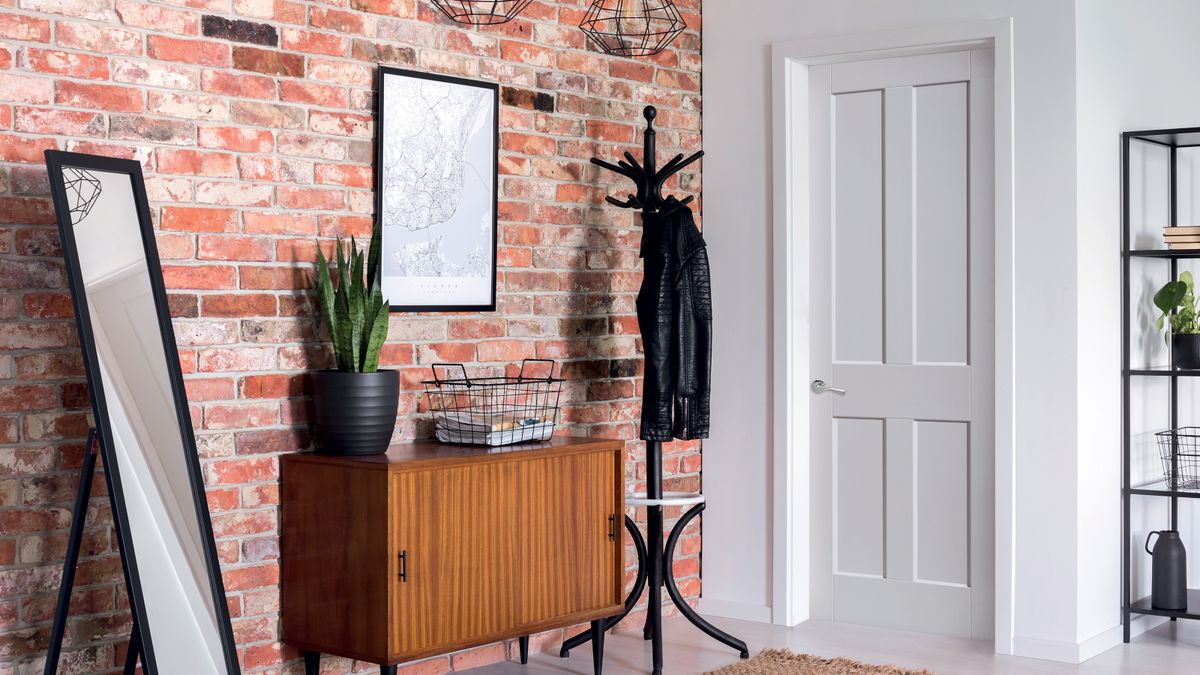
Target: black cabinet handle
<point x="612" y="527"/>
<point x="404" y="566"/>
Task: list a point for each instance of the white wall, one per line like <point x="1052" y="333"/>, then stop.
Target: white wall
<point x="737" y="207"/>
<point x="1148" y="82"/>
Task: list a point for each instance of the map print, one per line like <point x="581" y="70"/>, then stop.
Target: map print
<point x="437" y="188"/>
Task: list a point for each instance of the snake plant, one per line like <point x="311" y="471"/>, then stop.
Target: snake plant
<point x="354" y="311"/>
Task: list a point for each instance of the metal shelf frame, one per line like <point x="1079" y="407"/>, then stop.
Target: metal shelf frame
<point x="1172" y="139"/>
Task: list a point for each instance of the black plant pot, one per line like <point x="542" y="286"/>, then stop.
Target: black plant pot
<point x="355" y="413"/>
<point x="1185" y="350"/>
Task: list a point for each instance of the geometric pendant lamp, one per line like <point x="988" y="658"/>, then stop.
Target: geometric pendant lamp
<point x="632" y="27"/>
<point x="481" y="12"/>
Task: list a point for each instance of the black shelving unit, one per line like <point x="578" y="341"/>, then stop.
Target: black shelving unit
<point x="1172" y="140"/>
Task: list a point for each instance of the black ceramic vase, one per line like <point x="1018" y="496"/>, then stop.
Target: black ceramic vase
<point x="355" y="413"/>
<point x="1185" y="350"/>
<point x="1168" y="571"/>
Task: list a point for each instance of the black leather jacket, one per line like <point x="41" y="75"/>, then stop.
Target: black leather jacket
<point x="674" y="309"/>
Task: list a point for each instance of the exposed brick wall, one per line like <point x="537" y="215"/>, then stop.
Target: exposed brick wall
<point x="253" y="120"/>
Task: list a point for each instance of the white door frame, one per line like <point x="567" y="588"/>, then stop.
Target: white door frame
<point x="790" y="305"/>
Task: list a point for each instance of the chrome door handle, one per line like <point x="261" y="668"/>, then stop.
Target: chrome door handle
<point x="819" y="387"/>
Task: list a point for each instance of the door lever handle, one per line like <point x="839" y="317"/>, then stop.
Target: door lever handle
<point x="819" y="387"/>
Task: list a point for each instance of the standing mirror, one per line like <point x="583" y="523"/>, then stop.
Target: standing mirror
<point x="141" y="415"/>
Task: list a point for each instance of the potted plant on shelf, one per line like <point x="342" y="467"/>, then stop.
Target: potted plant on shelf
<point x="355" y="405"/>
<point x="1184" y="335"/>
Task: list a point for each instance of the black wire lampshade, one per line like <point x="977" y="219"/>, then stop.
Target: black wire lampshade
<point x="481" y="12"/>
<point x="632" y="27"/>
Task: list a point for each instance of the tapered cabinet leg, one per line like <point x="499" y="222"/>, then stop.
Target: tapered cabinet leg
<point x="387" y="670"/>
<point x="312" y="663"/>
<point x="598" y="646"/>
<point x="523" y="641"/>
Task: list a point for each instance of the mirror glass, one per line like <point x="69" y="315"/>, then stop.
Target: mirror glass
<point x="148" y="434"/>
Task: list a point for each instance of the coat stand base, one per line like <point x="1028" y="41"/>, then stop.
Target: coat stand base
<point x="74" y="541"/>
<point x="655" y="570"/>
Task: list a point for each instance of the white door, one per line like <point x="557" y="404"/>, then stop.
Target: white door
<point x="902" y="489"/>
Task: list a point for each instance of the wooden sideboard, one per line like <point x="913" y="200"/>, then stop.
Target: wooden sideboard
<point x="433" y="548"/>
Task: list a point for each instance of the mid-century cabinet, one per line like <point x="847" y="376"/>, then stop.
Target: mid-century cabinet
<point x="433" y="548"/>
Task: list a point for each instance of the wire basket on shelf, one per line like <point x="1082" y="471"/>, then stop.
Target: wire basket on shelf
<point x="1184" y="444"/>
<point x="494" y="410"/>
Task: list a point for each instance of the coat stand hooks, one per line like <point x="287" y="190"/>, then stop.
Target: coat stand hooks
<point x="655" y="563"/>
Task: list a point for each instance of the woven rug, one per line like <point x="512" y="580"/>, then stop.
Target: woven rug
<point x="784" y="662"/>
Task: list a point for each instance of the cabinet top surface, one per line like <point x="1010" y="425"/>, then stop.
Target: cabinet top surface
<point x="433" y="452"/>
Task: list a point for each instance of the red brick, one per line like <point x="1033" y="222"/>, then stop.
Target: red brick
<point x="102" y="96"/>
<point x="242" y="578"/>
<point x="97" y="38"/>
<point x="195" y="163"/>
<point x="199" y="277"/>
<point x="217" y="247"/>
<point x="236" y="359"/>
<point x="279" y="223"/>
<point x="200" y="52"/>
<point x="199" y="219"/>
<point x="236" y="139"/>
<point x="337" y="20"/>
<point x="209" y="389"/>
<point x="256" y="277"/>
<point x="294" y="39"/>
<point x="313" y="93"/>
<point x="526" y="53"/>
<point x="85" y="66"/>
<point x="25" y="89"/>
<point x="343" y="174"/>
<point x="529" y="145"/>
<point x="268" y="61"/>
<point x="24" y="28"/>
<point x="25" y="210"/>
<point x="392" y="8"/>
<point x="267" y="386"/>
<point x="48" y="306"/>
<point x="158" y="18"/>
<point x="240" y="305"/>
<point x="22" y="397"/>
<point x="237" y="84"/>
<point x="340" y="123"/>
<point x="310" y="198"/>
<point x="240" y="416"/>
<point x="56" y="121"/>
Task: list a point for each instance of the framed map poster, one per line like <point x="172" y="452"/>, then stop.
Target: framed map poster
<point x="435" y="190"/>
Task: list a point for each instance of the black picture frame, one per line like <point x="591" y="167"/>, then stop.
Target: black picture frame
<point x="400" y="305"/>
<point x="56" y="161"/>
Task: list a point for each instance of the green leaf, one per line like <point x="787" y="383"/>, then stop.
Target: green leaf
<point x="341" y="338"/>
<point x="357" y="306"/>
<point x="325" y="293"/>
<point x="375" y="341"/>
<point x="373" y="254"/>
<point x="1170" y="295"/>
<point x="343" y="268"/>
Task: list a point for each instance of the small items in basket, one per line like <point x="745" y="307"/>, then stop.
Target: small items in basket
<point x="494" y="410"/>
<point x="1182" y="444"/>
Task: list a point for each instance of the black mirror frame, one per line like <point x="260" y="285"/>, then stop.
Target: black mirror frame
<point x="55" y="161"/>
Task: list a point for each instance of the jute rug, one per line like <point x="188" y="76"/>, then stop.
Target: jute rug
<point x="785" y="662"/>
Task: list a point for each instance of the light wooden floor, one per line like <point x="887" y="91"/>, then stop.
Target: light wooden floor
<point x="1170" y="648"/>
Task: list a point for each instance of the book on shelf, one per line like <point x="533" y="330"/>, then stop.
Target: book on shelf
<point x="1182" y="229"/>
<point x="1184" y="246"/>
<point x="1182" y="240"/>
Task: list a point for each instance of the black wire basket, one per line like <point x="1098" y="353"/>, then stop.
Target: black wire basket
<point x="1183" y="444"/>
<point x="493" y="410"/>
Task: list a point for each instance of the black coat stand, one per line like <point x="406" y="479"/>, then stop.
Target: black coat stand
<point x="74" y="541"/>
<point x="654" y="563"/>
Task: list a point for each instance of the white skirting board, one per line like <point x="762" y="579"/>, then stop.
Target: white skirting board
<point x="1069" y="652"/>
<point x="734" y="610"/>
